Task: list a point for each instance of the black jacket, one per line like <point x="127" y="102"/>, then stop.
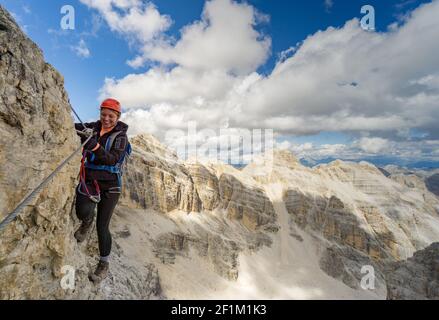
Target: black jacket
<point x="102" y="157"/>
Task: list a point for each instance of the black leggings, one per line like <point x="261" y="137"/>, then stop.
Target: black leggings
<point x="85" y="211"/>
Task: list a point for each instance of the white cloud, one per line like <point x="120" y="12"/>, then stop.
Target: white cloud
<point x="430" y="81"/>
<point x="224" y="39"/>
<point x="328" y="151"/>
<point x="303" y="93"/>
<point x="373" y="145"/>
<point x="307" y="85"/>
<point x="283" y="145"/>
<point x="300" y="149"/>
<point x="178" y="86"/>
<point x="339" y="79"/>
<point x="139" y="20"/>
<point x="284" y="55"/>
<point x="81" y="49"/>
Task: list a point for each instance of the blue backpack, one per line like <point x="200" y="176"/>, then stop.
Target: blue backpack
<point x="119" y="166"/>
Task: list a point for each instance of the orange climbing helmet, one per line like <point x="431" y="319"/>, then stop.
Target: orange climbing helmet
<point x="111" y="104"/>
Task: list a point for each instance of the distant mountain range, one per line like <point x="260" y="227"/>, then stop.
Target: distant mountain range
<point x="427" y="171"/>
<point x="379" y="162"/>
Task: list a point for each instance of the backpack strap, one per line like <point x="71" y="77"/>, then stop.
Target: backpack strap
<point x="110" y="140"/>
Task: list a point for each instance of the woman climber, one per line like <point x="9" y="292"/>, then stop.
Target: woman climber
<point x="100" y="178"/>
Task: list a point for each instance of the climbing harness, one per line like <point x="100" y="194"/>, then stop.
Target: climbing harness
<point x="11" y="216"/>
<point x="116" y="169"/>
<point x="82" y="186"/>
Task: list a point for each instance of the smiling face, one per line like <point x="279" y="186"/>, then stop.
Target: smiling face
<point x="109" y="118"/>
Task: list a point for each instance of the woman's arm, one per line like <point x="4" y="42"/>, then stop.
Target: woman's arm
<point x="112" y="157"/>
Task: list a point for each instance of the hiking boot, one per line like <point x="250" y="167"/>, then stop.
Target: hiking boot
<point x="81" y="233"/>
<point x="100" y="273"/>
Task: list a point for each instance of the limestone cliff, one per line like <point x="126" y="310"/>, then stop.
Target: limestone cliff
<point x="357" y="215"/>
<point x="416" y="277"/>
<point x="36" y="134"/>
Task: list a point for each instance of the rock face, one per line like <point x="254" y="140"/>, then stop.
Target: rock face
<point x="156" y="179"/>
<point x="410" y="181"/>
<point x="347" y="264"/>
<point x="220" y="252"/>
<point x="432" y="183"/>
<point x="424" y="179"/>
<point x="157" y="182"/>
<point x="36" y="134"/>
<point x="416" y="277"/>
<point x="338" y="224"/>
<point x="249" y="205"/>
<point x="360" y="217"/>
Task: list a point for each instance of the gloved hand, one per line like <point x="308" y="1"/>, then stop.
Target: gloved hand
<point x="88" y="131"/>
<point x="84" y="134"/>
<point x="91" y="144"/>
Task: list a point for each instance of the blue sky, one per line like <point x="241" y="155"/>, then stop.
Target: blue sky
<point x="290" y="23"/>
<point x="286" y="24"/>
